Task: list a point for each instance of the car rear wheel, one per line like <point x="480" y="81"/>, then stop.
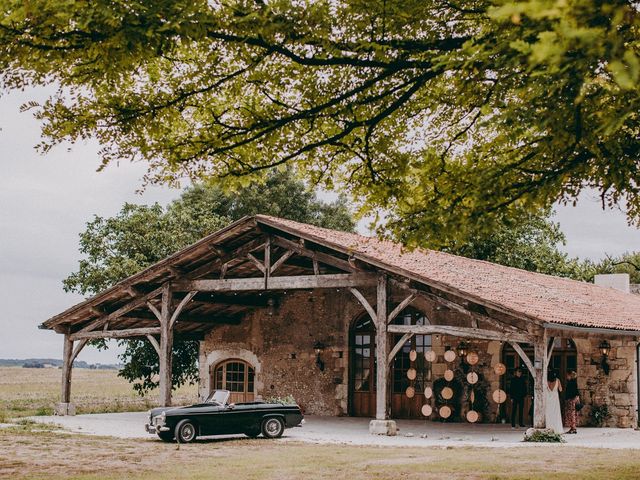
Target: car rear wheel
<point x="166" y="436"/>
<point x="272" y="427"/>
<point x="186" y="431"/>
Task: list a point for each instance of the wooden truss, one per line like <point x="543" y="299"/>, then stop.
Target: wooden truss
<point x="160" y="301"/>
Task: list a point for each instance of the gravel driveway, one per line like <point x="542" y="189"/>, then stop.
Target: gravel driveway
<point x="354" y="431"/>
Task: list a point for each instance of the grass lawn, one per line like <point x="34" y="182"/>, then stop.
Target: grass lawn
<point x="34" y="391"/>
<point x="22" y="456"/>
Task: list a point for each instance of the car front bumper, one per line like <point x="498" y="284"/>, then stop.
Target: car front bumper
<point x="154" y="429"/>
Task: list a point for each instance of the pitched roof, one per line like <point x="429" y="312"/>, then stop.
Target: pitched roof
<point x="520" y="293"/>
<point x="534" y="295"/>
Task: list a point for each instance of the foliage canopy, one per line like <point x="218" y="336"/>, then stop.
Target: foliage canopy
<point x="451" y="117"/>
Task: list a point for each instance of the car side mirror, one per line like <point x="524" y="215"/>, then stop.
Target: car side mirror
<point x="231" y="406"/>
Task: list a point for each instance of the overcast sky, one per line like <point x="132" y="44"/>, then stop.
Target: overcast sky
<point x="45" y="202"/>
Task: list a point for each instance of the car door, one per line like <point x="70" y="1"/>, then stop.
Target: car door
<point x="211" y="420"/>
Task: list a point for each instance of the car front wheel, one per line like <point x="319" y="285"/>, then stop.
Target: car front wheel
<point x="272" y="427"/>
<point x="186" y="431"/>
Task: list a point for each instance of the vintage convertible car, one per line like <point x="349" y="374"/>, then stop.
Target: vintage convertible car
<point x="215" y="416"/>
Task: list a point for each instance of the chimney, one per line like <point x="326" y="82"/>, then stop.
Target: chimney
<point x="619" y="281"/>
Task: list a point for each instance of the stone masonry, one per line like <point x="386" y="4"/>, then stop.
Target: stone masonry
<point x="278" y="343"/>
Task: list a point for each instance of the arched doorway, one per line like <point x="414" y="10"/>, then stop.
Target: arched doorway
<point x="564" y="358"/>
<point x="237" y="376"/>
<point x="362" y="378"/>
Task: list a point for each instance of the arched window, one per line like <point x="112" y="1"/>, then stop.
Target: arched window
<point x="236" y="376"/>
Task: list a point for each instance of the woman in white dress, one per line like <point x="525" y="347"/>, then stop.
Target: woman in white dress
<point x="553" y="414"/>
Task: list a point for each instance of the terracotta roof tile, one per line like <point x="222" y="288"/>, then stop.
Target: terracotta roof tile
<point x="534" y="295"/>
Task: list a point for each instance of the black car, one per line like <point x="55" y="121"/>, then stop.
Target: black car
<point x="218" y="417"/>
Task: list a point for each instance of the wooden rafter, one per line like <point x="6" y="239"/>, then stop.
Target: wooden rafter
<point x="475" y="317"/>
<point x="259" y="265"/>
<point x="524" y="357"/>
<point x="304" y="251"/>
<point x="154" y="343"/>
<point x="78" y="348"/>
<point x="365" y="303"/>
<point x="174" y="316"/>
<point x="400" y="307"/>
<point x="154" y="310"/>
<point x="133" y="304"/>
<point x="398" y="346"/>
<point x="278" y="263"/>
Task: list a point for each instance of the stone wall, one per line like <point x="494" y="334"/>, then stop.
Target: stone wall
<point x="618" y="390"/>
<point x="283" y="342"/>
<point x="279" y="345"/>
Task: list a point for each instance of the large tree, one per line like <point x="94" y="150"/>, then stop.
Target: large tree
<point x="449" y="116"/>
<point x="533" y="243"/>
<point x="140" y="235"/>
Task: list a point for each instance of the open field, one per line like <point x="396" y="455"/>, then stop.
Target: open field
<point x="22" y="447"/>
<point x="34" y="391"/>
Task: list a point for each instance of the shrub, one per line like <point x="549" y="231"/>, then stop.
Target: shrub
<point x="543" y="436"/>
<point x="598" y="414"/>
<point x="286" y="400"/>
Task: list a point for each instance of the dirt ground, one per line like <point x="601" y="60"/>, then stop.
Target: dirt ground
<point x="29" y="451"/>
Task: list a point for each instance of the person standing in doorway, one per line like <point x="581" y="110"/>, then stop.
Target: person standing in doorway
<point x="517" y="392"/>
<point x="572" y="399"/>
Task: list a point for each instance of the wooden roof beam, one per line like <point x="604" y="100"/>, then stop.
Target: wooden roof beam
<point x="128" y="333"/>
<point x="298" y="282"/>
<point x="463" y="332"/>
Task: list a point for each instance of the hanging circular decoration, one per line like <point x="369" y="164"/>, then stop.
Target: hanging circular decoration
<point x="427" y="410"/>
<point x="499" y="396"/>
<point x="472" y="358"/>
<point x="448" y="375"/>
<point x="449" y="355"/>
<point x="411" y="374"/>
<point x="445" y="411"/>
<point x="472" y="378"/>
<point x="447" y="393"/>
<point x="430" y="356"/>
<point x="500" y="369"/>
<point x="410" y="392"/>
<point x="472" y="416"/>
<point x="472" y="397"/>
<point x="413" y="355"/>
<point x="428" y="392"/>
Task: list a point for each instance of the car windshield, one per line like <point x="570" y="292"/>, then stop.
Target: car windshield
<point x="218" y="396"/>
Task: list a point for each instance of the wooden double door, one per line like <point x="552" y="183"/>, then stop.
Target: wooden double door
<point x="236" y="376"/>
<point x="362" y="384"/>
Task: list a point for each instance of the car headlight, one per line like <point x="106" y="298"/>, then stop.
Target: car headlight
<point x="161" y="419"/>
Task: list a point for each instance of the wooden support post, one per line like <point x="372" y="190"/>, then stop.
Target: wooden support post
<point x="540" y="380"/>
<point x="382" y="351"/>
<point x="166" y="347"/>
<point x="67" y="363"/>
<point x="267" y="262"/>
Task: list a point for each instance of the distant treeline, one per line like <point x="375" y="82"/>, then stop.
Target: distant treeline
<point x="52" y="362"/>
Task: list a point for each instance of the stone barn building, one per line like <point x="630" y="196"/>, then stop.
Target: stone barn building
<point x="351" y="325"/>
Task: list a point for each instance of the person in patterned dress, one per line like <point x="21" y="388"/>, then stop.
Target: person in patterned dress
<point x="572" y="398"/>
